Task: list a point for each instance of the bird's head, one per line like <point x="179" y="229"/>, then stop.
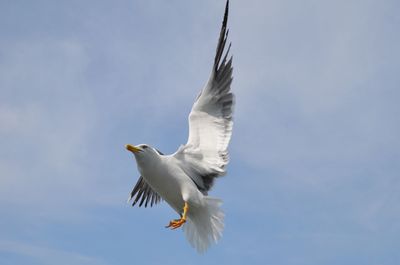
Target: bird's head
<point x="143" y="152"/>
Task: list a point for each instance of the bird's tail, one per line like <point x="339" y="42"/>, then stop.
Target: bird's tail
<point x="204" y="224"/>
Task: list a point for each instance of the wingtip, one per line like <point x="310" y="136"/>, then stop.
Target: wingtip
<point x="226" y="11"/>
<point x="222" y="38"/>
<point x="225" y="20"/>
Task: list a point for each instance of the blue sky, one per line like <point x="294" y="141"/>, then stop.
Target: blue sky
<point x="315" y="155"/>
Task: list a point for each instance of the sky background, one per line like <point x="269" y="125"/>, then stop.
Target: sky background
<point x="314" y="176"/>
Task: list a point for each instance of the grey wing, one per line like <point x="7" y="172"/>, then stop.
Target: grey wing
<point x="143" y="192"/>
<point x="205" y="155"/>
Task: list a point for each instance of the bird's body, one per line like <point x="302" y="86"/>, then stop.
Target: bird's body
<point x="184" y="178"/>
<point x="171" y="189"/>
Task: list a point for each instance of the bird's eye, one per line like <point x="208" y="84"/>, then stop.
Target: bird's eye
<point x="144" y="146"/>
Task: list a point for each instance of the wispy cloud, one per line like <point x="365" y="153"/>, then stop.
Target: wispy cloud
<point x="45" y="255"/>
<point x="46" y="117"/>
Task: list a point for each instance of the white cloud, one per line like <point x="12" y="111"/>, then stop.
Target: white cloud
<point x="45" y="255"/>
<point x="46" y="117"/>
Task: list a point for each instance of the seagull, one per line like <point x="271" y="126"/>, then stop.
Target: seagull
<point x="184" y="178"/>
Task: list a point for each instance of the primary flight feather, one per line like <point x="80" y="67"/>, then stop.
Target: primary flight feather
<point x="184" y="178"/>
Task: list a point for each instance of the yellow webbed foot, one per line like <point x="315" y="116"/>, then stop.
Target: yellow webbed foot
<point x="174" y="224"/>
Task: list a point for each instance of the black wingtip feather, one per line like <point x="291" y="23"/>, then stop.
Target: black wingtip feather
<point x="143" y="194"/>
<point x="222" y="38"/>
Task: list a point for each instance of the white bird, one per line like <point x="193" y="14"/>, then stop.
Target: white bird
<point x="184" y="178"/>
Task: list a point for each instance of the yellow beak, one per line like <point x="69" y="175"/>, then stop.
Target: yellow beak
<point x="132" y="148"/>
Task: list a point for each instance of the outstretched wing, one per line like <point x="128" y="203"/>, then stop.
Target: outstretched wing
<point x="205" y="155"/>
<point x="143" y="192"/>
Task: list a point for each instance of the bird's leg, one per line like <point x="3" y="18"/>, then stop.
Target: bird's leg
<point x="174" y="224"/>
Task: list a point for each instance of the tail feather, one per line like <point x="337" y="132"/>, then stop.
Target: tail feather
<point x="205" y="224"/>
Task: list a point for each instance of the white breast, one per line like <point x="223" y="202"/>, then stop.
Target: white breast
<point x="167" y="179"/>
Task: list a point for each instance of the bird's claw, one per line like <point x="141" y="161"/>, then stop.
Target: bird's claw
<point x="174" y="224"/>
